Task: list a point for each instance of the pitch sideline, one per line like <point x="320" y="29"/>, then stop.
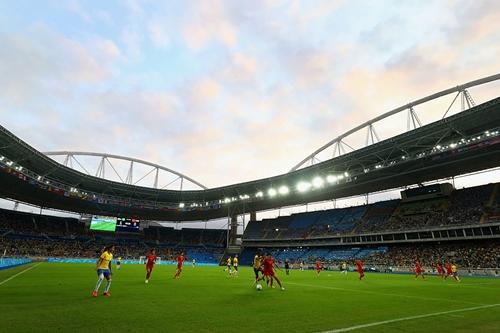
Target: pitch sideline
<point x="21" y="272"/>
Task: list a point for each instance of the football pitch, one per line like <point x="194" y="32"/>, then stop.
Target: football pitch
<point x="53" y="297"/>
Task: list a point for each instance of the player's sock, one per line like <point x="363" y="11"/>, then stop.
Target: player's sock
<point x="108" y="285"/>
<point x="98" y="284"/>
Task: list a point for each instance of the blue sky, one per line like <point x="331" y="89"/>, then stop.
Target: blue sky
<point x="229" y="91"/>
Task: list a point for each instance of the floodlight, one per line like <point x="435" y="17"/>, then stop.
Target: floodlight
<point x="318" y="182"/>
<point x="227" y="200"/>
<point x="283" y="190"/>
<point x="331" y="179"/>
<point x="259" y="194"/>
<point x="181" y="205"/>
<point x="346" y="174"/>
<point x="303" y="186"/>
<point x="272" y="192"/>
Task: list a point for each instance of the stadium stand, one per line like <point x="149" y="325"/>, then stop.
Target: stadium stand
<point x="468" y="255"/>
<point x="463" y="207"/>
<point x="31" y="235"/>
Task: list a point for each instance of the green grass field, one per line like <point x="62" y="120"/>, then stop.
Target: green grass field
<point x="56" y="298"/>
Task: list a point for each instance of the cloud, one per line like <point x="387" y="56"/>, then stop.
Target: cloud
<point x="233" y="91"/>
<point x="210" y="22"/>
<point x="158" y="34"/>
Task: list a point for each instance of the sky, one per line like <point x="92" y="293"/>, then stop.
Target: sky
<point x="231" y="91"/>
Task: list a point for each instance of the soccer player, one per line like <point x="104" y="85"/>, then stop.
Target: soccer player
<point x="103" y="269"/>
<point x="118" y="263"/>
<point x="287" y="267"/>
<point x="447" y="266"/>
<point x="343" y="268"/>
<point x="150" y="263"/>
<point x="228" y="264"/>
<point x="269" y="270"/>
<point x="194" y="263"/>
<point x="318" y="267"/>
<point x="360" y="270"/>
<point x="257" y="267"/>
<point x="235" y="265"/>
<point x="439" y="269"/>
<point x="454" y="272"/>
<point x="180" y="262"/>
<point x="418" y="270"/>
<point x="301" y="266"/>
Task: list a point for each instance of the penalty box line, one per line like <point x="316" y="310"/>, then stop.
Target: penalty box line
<point x="435" y="314"/>
<point x="383" y="294"/>
<point x="21" y="272"/>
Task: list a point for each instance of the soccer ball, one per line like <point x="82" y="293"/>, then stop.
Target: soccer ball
<point x="259" y="287"/>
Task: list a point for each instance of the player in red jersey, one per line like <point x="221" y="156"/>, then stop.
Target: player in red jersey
<point x="447" y="266"/>
<point x="180" y="262"/>
<point x="418" y="270"/>
<point x="150" y="263"/>
<point x="269" y="265"/>
<point x="318" y="267"/>
<point x="439" y="269"/>
<point x="359" y="265"/>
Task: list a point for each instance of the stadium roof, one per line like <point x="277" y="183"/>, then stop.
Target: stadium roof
<point x="462" y="143"/>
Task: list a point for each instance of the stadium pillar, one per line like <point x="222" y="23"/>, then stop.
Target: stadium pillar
<point x="233" y="233"/>
<point x="253" y="216"/>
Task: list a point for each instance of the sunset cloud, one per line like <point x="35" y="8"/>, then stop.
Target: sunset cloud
<point x="230" y="91"/>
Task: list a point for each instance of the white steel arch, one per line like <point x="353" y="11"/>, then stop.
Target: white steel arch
<point x="106" y="159"/>
<point x="339" y="146"/>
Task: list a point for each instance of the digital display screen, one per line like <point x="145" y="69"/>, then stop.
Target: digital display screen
<point x="424" y="190"/>
<point x="103" y="223"/>
<point x="126" y="224"/>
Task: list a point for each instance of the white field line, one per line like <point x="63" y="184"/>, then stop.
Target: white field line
<point x="378" y="323"/>
<point x="384" y="294"/>
<point x="21" y="272"/>
<point x="469" y="285"/>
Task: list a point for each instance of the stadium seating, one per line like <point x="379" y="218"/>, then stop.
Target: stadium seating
<point x="24" y="234"/>
<point x="471" y="255"/>
<point x="34" y="235"/>
<point x="463" y="207"/>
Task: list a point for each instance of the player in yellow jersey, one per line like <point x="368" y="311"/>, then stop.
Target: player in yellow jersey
<point x="228" y="263"/>
<point x="257" y="267"/>
<point x="235" y="265"/>
<point x="104" y="270"/>
<point x="454" y="272"/>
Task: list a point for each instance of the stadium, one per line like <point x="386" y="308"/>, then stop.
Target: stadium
<point x="392" y="225"/>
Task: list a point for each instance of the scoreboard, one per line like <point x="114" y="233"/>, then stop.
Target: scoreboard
<point x="127" y="225"/>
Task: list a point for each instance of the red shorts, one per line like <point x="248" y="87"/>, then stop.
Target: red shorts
<point x="179" y="266"/>
<point x="318" y="269"/>
<point x="269" y="273"/>
<point x="149" y="267"/>
<point x="360" y="271"/>
<point x="418" y="271"/>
